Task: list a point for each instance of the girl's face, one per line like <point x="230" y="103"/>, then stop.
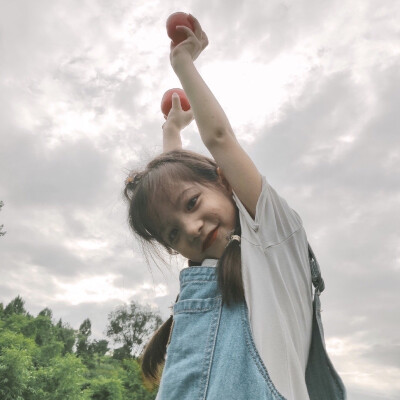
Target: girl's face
<point x="198" y="220"/>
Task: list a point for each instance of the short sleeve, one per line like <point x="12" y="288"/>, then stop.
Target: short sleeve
<point x="274" y="220"/>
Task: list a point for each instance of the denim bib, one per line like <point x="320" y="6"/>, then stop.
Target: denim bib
<point x="212" y="355"/>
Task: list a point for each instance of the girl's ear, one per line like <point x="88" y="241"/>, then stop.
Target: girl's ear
<point x="223" y="180"/>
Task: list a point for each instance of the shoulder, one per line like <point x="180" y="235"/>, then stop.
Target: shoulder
<point x="274" y="220"/>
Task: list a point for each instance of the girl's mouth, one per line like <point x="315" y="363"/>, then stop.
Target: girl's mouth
<point x="210" y="238"/>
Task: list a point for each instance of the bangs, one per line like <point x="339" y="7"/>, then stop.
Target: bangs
<point x="159" y="186"/>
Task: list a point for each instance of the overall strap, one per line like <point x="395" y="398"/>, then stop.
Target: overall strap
<point x="316" y="277"/>
<point x="323" y="381"/>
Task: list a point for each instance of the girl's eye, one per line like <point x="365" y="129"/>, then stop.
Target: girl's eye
<point x="172" y="235"/>
<point x="192" y="202"/>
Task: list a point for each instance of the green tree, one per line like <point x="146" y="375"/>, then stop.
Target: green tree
<point x="43" y="331"/>
<point x="1" y="226"/>
<point x="133" y="382"/>
<point x="104" y="388"/>
<point x="16" y="306"/>
<point x="46" y="312"/>
<point x="131" y="325"/>
<point x="37" y="360"/>
<point x="62" y="379"/>
<point x="66" y="335"/>
<point x="99" y="347"/>
<point x="14" y="316"/>
<point x="16" y="365"/>
<point x="85" y="349"/>
<point x="122" y="353"/>
<point x="83" y="344"/>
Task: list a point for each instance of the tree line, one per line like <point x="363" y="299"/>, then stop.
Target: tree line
<point x="41" y="359"/>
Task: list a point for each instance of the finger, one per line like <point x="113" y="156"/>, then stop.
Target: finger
<point x="196" y="25"/>
<point x="176" y="102"/>
<point x="184" y="29"/>
<point x="204" y="40"/>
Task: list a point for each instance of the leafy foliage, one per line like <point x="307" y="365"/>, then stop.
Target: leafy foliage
<point x="131" y="325"/>
<point x="107" y="388"/>
<point x="16" y="364"/>
<point x="16" y="306"/>
<point x="44" y="360"/>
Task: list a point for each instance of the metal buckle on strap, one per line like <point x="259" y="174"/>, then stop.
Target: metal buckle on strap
<point x="319" y="284"/>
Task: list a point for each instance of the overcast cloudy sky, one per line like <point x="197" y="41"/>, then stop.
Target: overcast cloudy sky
<point x="312" y="89"/>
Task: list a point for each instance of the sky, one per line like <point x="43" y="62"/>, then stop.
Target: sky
<point x="312" y="90"/>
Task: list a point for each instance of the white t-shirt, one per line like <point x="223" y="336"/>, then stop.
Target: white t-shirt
<point x="278" y="289"/>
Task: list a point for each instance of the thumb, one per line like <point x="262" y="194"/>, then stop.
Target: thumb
<point x="176" y="101"/>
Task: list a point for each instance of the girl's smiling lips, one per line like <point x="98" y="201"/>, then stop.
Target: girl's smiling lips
<point x="210" y="238"/>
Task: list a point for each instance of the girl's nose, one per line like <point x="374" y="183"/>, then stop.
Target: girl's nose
<point x="193" y="228"/>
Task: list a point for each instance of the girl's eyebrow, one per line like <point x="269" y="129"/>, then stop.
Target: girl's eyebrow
<point x="179" y="199"/>
<point x="176" y="204"/>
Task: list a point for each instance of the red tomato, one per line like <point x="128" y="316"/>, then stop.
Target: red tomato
<point x="174" y="20"/>
<point x="166" y="102"/>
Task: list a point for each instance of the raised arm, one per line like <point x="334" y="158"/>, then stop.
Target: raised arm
<point x="177" y="120"/>
<point x="214" y="127"/>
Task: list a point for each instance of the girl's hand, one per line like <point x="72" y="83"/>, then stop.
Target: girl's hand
<point x="191" y="47"/>
<point x="177" y="118"/>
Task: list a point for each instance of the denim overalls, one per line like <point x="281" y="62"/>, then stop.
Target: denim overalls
<point x="212" y="356"/>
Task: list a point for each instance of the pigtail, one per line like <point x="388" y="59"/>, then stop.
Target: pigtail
<point x="229" y="270"/>
<point x="155" y="351"/>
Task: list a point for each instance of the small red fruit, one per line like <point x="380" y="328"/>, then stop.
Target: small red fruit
<point x="166" y="102"/>
<point x="174" y="20"/>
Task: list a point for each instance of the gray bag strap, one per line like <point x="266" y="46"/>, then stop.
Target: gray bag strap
<point x="316" y="277"/>
<point x="323" y="381"/>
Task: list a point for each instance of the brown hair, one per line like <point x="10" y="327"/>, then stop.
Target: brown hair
<point x="142" y="189"/>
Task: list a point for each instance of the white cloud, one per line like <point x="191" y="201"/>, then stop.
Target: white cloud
<point x="96" y="289"/>
<point x="254" y="92"/>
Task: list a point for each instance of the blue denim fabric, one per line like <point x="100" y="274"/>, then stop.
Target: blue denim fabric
<point x="212" y="355"/>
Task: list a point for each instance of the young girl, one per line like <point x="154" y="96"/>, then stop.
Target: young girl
<point x="245" y="325"/>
